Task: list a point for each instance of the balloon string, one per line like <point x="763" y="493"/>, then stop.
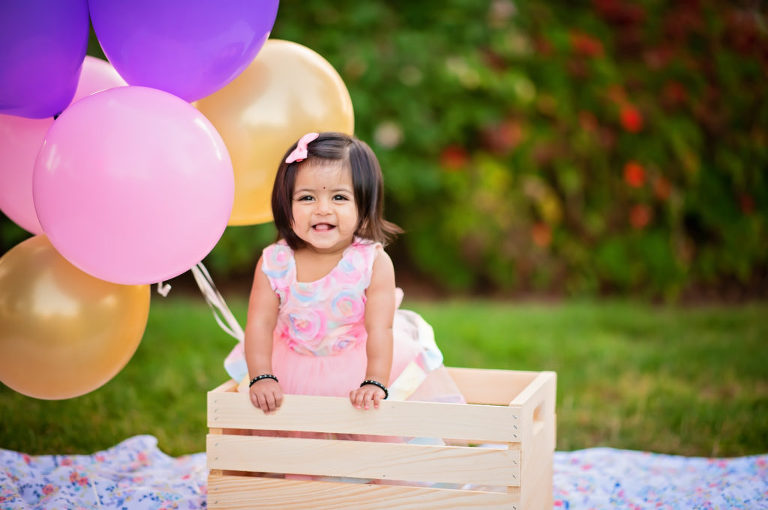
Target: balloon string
<point x="216" y="303"/>
<point x="163" y="288"/>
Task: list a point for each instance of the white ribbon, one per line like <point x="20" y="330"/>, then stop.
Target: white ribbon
<point x="163" y="288"/>
<point x="216" y="303"/>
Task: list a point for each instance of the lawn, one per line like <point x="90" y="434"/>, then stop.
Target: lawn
<point x="690" y="381"/>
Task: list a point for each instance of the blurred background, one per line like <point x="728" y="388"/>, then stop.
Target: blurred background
<point x="567" y="148"/>
<point x="601" y="157"/>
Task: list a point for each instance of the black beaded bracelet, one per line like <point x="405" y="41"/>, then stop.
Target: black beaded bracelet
<point x="377" y="384"/>
<point x="260" y="377"/>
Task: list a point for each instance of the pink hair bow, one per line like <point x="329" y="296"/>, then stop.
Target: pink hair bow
<point x="300" y="152"/>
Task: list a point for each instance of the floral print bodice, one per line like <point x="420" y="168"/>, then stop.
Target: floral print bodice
<point x="327" y="316"/>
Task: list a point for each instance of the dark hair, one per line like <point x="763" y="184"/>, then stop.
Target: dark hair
<point x="366" y="181"/>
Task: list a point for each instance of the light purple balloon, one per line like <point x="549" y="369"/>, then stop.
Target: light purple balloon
<point x="190" y="48"/>
<point x="133" y="185"/>
<point x="42" y="45"/>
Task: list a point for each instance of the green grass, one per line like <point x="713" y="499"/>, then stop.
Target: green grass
<point x="690" y="381"/>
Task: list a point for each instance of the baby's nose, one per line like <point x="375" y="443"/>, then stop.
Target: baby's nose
<point x="323" y="205"/>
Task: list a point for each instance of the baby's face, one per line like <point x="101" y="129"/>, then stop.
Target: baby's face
<point x="323" y="205"/>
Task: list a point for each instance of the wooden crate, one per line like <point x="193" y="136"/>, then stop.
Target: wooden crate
<point x="513" y="411"/>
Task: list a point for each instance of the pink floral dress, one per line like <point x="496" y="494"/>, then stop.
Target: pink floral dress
<point x="319" y="340"/>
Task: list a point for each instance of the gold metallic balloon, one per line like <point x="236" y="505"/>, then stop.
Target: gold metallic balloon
<point x="286" y="92"/>
<point x="63" y="333"/>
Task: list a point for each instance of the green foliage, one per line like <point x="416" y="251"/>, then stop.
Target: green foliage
<point x="576" y="147"/>
<point x="571" y="147"/>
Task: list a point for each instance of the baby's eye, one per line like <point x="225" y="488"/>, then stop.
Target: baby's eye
<point x="305" y="198"/>
<point x="340" y="197"/>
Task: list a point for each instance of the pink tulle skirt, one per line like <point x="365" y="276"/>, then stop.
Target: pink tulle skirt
<point x="417" y="370"/>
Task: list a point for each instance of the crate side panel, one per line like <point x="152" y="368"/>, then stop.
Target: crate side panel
<point x="537" y="409"/>
<point x="245" y="492"/>
<point x="537" y="471"/>
<point x="360" y="459"/>
<point x="480" y="423"/>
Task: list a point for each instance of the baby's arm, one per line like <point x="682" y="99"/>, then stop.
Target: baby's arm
<point x="379" y="315"/>
<point x="266" y="394"/>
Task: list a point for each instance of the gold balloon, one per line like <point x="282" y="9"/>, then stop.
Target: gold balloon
<point x="63" y="333"/>
<point x="286" y="92"/>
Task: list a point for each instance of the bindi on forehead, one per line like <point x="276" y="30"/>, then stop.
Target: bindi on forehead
<point x="323" y="178"/>
<point x="324" y="175"/>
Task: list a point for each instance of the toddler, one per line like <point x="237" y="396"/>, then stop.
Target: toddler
<point x="323" y="315"/>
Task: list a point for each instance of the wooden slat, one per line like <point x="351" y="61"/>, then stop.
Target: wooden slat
<point x="538" y="384"/>
<point x="486" y="386"/>
<point x="244" y="492"/>
<point x="480" y="423"/>
<point x="358" y="459"/>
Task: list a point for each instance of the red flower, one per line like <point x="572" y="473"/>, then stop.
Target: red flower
<point x="541" y="234"/>
<point x="640" y="216"/>
<point x="662" y="188"/>
<point x="674" y="93"/>
<point x="48" y="489"/>
<point x="634" y="174"/>
<point x="543" y="46"/>
<point x="620" y="13"/>
<point x="66" y="462"/>
<point x="588" y="121"/>
<point x="631" y="119"/>
<point x="617" y="94"/>
<point x="586" y="45"/>
<point x="453" y="157"/>
<point x="747" y="203"/>
<point x="503" y="137"/>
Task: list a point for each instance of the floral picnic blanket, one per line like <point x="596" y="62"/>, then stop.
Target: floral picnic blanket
<point x="599" y="478"/>
<point x="135" y="474"/>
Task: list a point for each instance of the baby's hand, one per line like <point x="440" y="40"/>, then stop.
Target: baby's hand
<point x="366" y="395"/>
<point x="267" y="395"/>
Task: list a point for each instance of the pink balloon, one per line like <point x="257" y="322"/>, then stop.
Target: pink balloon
<point x="20" y="141"/>
<point x="133" y="185"/>
<point x="97" y="75"/>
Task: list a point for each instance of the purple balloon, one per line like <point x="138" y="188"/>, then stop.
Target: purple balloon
<point x="190" y="48"/>
<point x="42" y="46"/>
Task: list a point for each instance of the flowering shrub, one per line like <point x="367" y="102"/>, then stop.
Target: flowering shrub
<point x="603" y="146"/>
<point x="576" y="147"/>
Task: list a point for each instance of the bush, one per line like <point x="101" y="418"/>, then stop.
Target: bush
<point x="573" y="147"/>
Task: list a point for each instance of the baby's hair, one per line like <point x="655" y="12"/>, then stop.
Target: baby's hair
<point x="366" y="181"/>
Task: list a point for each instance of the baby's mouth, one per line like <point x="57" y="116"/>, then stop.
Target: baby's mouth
<point x="323" y="227"/>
